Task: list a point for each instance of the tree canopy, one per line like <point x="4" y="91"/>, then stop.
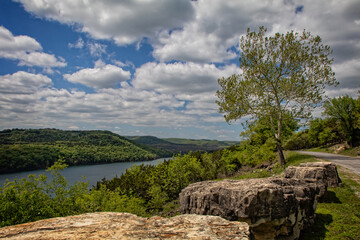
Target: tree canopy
<point x="344" y="110"/>
<point x="283" y="75"/>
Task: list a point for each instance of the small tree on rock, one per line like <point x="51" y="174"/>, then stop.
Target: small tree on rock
<point x="284" y="73"/>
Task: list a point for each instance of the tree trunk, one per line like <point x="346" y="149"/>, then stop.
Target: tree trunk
<point x="277" y="136"/>
<point x="280" y="152"/>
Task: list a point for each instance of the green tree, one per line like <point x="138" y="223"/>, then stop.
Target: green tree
<point x="259" y="131"/>
<point x="281" y="73"/>
<point x="344" y="110"/>
<point x="324" y="132"/>
<point x="357" y="114"/>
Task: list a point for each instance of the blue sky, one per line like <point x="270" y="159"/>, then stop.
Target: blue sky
<point x="148" y="67"/>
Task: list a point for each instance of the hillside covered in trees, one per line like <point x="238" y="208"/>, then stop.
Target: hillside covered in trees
<point x="181" y="145"/>
<point x="39" y="148"/>
<point x="29" y="149"/>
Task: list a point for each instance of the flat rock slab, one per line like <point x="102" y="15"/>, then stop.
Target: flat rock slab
<point x="107" y="225"/>
<point x="273" y="207"/>
<point x="320" y="171"/>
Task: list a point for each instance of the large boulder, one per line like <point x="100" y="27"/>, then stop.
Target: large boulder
<point x="320" y="171"/>
<point x="273" y="207"/>
<point x="106" y="225"/>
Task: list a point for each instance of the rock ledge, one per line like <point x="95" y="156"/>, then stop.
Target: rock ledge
<point x="320" y="171"/>
<point x="273" y="207"/>
<point x="107" y="225"/>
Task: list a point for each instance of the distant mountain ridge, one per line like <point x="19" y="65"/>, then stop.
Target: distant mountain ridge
<point x="181" y="145"/>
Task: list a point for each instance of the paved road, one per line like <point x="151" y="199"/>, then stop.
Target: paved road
<point x="352" y="163"/>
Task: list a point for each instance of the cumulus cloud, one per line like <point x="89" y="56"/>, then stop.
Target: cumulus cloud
<point x="101" y="76"/>
<point x="192" y="83"/>
<point x="26" y="50"/>
<point x="217" y="28"/>
<point x="31" y="100"/>
<point x="23" y="83"/>
<point x="180" y="78"/>
<point x="123" y="21"/>
<point x="19" y="94"/>
<point x="208" y="31"/>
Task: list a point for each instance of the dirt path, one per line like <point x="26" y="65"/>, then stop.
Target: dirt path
<point x="352" y="163"/>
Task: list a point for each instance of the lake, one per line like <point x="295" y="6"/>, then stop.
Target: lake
<point x="93" y="173"/>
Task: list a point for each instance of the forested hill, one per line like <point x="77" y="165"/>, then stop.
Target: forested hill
<point x="28" y="149"/>
<point x="181" y="145"/>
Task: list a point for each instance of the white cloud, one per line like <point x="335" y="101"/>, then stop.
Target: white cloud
<point x="26" y="50"/>
<point x="126" y="64"/>
<point x="101" y="76"/>
<point x="192" y="83"/>
<point x="31" y="101"/>
<point x="217" y="29"/>
<point x="336" y="24"/>
<point x="10" y="43"/>
<point x="78" y="44"/>
<point x="337" y="92"/>
<point x="123" y="21"/>
<point x="96" y="49"/>
<point x="23" y="83"/>
<point x="348" y="73"/>
<point x="19" y="94"/>
<point x="180" y="78"/>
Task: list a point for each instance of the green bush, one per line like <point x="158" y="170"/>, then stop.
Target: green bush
<point x="34" y="198"/>
<point x="298" y="141"/>
<point x="250" y="155"/>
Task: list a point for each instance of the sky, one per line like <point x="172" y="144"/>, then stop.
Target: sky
<point x="149" y="67"/>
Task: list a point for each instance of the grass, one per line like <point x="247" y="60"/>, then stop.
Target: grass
<point x="338" y="217"/>
<point x="354" y="152"/>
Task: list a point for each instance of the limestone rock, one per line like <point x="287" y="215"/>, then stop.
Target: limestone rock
<point x="273" y="207"/>
<point x="320" y="171"/>
<point x="106" y="225"/>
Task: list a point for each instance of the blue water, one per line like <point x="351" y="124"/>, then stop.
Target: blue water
<point x="92" y="173"/>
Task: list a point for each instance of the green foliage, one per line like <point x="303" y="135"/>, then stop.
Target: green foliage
<point x="251" y="155"/>
<point x="34" y="198"/>
<point x="357" y="115"/>
<point x="38" y="197"/>
<point x="282" y="74"/>
<point x="344" y="111"/>
<point x="324" y="132"/>
<point x="35" y="149"/>
<point x="259" y="131"/>
<point x="103" y="199"/>
<point x="321" y="132"/>
<point x="298" y="141"/>
<point x="159" y="184"/>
